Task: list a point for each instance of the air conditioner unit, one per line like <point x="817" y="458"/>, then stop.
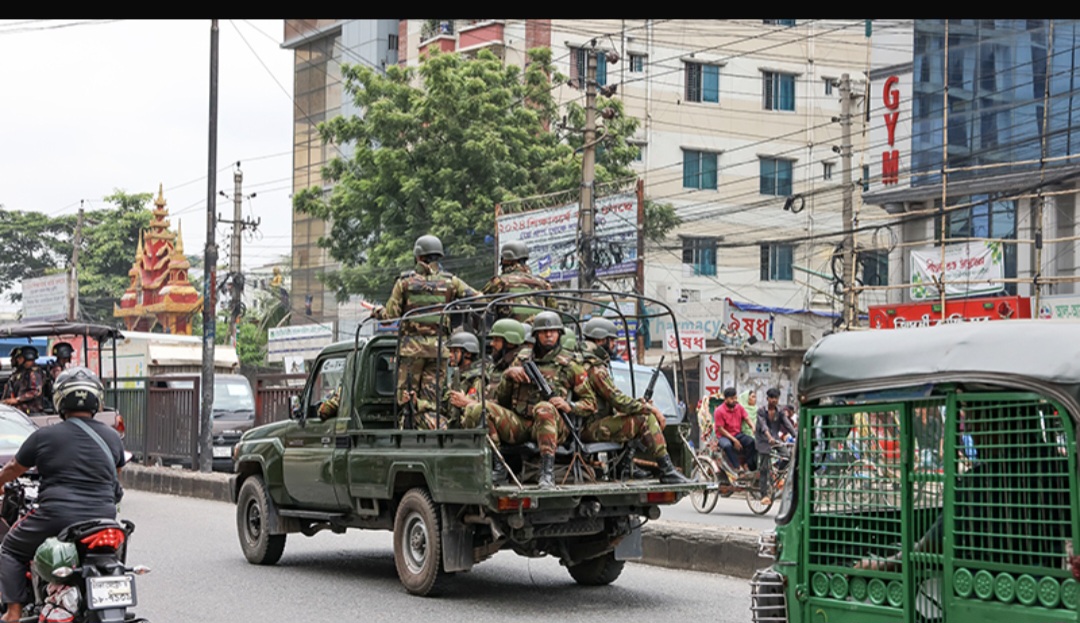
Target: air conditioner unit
<point x="795" y="338"/>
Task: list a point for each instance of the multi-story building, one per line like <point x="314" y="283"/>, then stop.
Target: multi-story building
<point x="1008" y="226"/>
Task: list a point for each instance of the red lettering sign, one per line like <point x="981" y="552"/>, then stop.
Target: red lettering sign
<point x="928" y="314"/>
<point x="890" y="167"/>
<point x="890" y="159"/>
<point x="890" y="96"/>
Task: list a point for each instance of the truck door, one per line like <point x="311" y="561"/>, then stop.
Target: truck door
<point x="310" y="443"/>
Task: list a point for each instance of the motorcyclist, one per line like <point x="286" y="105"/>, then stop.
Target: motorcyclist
<point x="78" y="462"/>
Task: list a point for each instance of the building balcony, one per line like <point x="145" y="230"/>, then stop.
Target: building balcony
<point x="481" y="34"/>
<point x="442" y="43"/>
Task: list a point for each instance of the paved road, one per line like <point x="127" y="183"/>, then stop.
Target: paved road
<point x="200" y="574"/>
<point x="731" y="511"/>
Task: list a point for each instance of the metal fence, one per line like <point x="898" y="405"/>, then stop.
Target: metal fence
<point x="273" y="393"/>
<point x="172" y="425"/>
<point x="128" y="397"/>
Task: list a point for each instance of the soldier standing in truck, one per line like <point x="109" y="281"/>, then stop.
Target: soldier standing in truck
<point x="517" y="278"/>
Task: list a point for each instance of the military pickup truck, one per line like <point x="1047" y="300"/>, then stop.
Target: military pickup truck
<point x="432" y="489"/>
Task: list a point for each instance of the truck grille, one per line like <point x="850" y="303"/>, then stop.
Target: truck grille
<point x="768" y="603"/>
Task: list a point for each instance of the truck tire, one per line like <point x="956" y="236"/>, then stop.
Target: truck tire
<point x="418" y="543"/>
<point x="599" y="571"/>
<point x="253" y="509"/>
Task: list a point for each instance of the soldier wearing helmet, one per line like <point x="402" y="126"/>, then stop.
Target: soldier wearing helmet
<point x="535" y="417"/>
<point x="426" y="285"/>
<point x="77" y="461"/>
<point x="466" y="379"/>
<point x="16" y="372"/>
<point x="27" y="394"/>
<point x="516" y="278"/>
<point x="621" y="418"/>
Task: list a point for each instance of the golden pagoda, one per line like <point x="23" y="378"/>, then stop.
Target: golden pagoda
<point x="159" y="292"/>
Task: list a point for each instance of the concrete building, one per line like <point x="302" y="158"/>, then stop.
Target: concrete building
<point x="1007" y="233"/>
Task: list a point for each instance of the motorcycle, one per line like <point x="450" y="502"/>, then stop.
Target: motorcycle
<point x="81" y="574"/>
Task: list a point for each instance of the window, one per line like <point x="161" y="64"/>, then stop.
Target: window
<point x="579" y="68"/>
<point x="775" y="176"/>
<point x="875" y="267"/>
<point x="392" y="43"/>
<point x="776" y="260"/>
<point x="866" y="178"/>
<point x="702" y="82"/>
<point x="828" y="86"/>
<point x="778" y="90"/>
<point x="778" y="22"/>
<point x="700" y="253"/>
<point x="699" y="169"/>
<point x="639" y="155"/>
<point x="989" y="217"/>
<point x="827" y="170"/>
<point x="637" y="63"/>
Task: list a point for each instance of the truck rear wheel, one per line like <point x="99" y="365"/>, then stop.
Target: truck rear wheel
<point x="253" y="510"/>
<point x="597" y="571"/>
<point x="418" y="543"/>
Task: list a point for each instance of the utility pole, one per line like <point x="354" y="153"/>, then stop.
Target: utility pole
<point x="73" y="274"/>
<point x="587" y="272"/>
<point x="850" y="314"/>
<point x="206" y="460"/>
<point x="236" y="274"/>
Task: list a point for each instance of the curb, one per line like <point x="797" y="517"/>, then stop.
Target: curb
<point x="672" y="544"/>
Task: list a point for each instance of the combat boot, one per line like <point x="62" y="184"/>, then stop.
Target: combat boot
<point x="547" y="471"/>
<point x="668" y="474"/>
<point x="627" y="469"/>
<point x="499" y="475"/>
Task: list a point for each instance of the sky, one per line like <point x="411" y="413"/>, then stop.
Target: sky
<point x="94" y="106"/>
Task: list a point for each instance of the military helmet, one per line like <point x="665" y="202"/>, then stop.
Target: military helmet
<point x="508" y="329"/>
<point x="529" y="339"/>
<point x="427" y="245"/>
<point x="16" y="353"/>
<point x="52" y="555"/>
<point x="78" y="389"/>
<point x="514" y="250"/>
<point x="599" y="328"/>
<point x="466" y="340"/>
<point x="568" y="341"/>
<point x="546" y="320"/>
<point x="62" y="350"/>
<point x="29" y="353"/>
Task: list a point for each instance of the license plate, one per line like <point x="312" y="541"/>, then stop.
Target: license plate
<point x="222" y="452"/>
<point x="113" y="591"/>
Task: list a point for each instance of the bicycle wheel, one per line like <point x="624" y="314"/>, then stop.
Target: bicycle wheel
<point x="704" y="501"/>
<point x="754" y="500"/>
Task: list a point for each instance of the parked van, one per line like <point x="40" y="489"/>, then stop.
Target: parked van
<point x="233" y="412"/>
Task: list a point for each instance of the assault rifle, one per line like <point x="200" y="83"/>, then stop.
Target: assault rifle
<point x="651" y="387"/>
<point x="537" y="378"/>
<point x="408" y="410"/>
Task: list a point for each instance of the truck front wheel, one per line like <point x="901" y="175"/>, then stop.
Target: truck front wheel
<point x="598" y="571"/>
<point x="253" y="509"/>
<point x="418" y="543"/>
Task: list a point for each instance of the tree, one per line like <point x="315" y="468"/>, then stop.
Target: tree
<point x="110" y="238"/>
<point x="436" y="157"/>
<point x="35" y="245"/>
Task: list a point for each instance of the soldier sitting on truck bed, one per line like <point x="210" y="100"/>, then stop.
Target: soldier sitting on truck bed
<point x="426" y="285"/>
<point x="465" y="377"/>
<point x="536" y="416"/>
<point x="621" y="418"/>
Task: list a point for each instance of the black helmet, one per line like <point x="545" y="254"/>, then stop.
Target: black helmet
<point x="529" y="337"/>
<point x="427" y="245"/>
<point x="599" y="328"/>
<point x="78" y="389"/>
<point x="546" y="320"/>
<point x="62" y="350"/>
<point x="29" y="353"/>
<point x="514" y="250"/>
<point x="16" y="352"/>
<point x="466" y="340"/>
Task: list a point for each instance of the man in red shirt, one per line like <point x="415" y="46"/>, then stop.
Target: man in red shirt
<point x="728" y="419"/>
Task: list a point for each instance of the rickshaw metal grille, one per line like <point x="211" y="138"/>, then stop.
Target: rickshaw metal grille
<point x="1012" y="523"/>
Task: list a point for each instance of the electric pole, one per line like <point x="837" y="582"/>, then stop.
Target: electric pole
<point x="206" y="460"/>
<point x="850" y="314"/>
<point x="587" y="273"/>
<point x="73" y="274"/>
<point x="236" y="274"/>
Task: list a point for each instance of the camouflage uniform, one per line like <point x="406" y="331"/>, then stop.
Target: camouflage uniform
<point x="516" y="279"/>
<point x="424" y="286"/>
<point x="496" y="412"/>
<point x="28" y="390"/>
<point x="532" y="417"/>
<point x="619" y="418"/>
<point x="469" y="381"/>
<point x="329" y="407"/>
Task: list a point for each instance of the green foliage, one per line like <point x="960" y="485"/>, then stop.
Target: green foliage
<point x="36" y="246"/>
<point x="251" y="345"/>
<point x="660" y="218"/>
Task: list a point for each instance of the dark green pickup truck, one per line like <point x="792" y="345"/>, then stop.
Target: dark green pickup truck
<point x="432" y="489"/>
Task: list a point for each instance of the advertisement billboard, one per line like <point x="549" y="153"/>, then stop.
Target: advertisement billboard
<point x="914" y="315"/>
<point x="969" y="268"/>
<point x="552" y="236"/>
<point x="45" y="298"/>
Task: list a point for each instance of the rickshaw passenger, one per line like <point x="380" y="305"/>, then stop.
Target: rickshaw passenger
<point x="729" y="418"/>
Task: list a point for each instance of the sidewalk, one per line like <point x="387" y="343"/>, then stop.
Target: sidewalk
<point x="727" y="550"/>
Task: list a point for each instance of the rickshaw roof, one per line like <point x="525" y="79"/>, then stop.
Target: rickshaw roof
<point x="42" y="329"/>
<point x="1027" y="354"/>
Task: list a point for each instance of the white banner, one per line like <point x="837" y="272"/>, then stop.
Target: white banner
<point x="551" y="234"/>
<point x="692" y="341"/>
<point x="45" y="298"/>
<point x="1055" y="307"/>
<point x="711" y="380"/>
<point x="968" y="270"/>
<point x="742" y="325"/>
<point x="300" y="341"/>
